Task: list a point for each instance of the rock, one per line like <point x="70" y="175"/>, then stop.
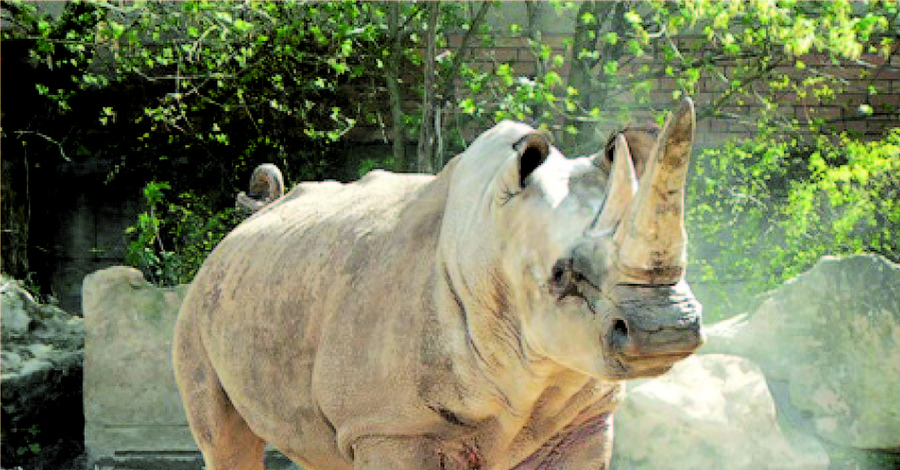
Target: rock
<point x="131" y="402"/>
<point x="711" y="411"/>
<point x="15" y="321"/>
<point x="10" y="361"/>
<point x="832" y="335"/>
<point x="42" y="373"/>
<point x="133" y="412"/>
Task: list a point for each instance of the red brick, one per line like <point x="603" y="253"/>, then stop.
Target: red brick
<point x="525" y="68"/>
<point x="511" y="41"/>
<point x="895" y="58"/>
<point x="874" y="59"/>
<point x="886" y="99"/>
<point x="887" y="73"/>
<point x="845" y="73"/>
<point x="666" y="84"/>
<point x="816" y="59"/>
<point x="858" y="126"/>
<point x="556" y="42"/>
<point x="505" y="54"/>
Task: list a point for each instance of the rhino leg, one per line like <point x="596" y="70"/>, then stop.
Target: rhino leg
<point x="223" y="436"/>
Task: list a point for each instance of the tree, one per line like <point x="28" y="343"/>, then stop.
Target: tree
<point x="392" y="74"/>
<point x="429" y="131"/>
<point x="196" y="93"/>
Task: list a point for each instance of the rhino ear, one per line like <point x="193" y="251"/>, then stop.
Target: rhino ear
<point x="533" y="151"/>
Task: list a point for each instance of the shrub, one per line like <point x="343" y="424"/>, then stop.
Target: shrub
<point x="763" y="211"/>
<point x="170" y="241"/>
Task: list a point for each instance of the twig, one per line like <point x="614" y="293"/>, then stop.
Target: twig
<point x="48" y="139"/>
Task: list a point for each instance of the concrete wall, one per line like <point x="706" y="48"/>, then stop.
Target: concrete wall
<point x="78" y="225"/>
<point x="133" y="414"/>
<point x="131" y="403"/>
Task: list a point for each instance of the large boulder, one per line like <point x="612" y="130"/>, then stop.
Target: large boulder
<point x="41" y="363"/>
<point x="131" y="403"/>
<point x="711" y="411"/>
<point x="832" y="337"/>
<point x="133" y="412"/>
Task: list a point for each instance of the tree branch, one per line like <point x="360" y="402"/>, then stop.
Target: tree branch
<point x="463" y="52"/>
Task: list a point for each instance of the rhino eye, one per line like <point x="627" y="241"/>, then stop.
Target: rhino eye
<point x="564" y="279"/>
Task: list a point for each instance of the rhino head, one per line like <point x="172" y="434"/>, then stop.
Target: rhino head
<point x="576" y="261"/>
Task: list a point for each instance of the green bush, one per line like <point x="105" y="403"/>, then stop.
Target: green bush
<point x="170" y="241"/>
<point x="763" y="211"/>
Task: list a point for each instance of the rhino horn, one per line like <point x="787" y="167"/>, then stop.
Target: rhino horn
<point x="651" y="238"/>
<point x="622" y="187"/>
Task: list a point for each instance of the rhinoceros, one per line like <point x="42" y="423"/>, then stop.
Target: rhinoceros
<point x="482" y="318"/>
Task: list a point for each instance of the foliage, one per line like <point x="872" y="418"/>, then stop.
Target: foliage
<point x="189" y="228"/>
<point x="198" y="93"/>
<point x="32" y="445"/>
<point x="202" y="89"/>
<point x="765" y="56"/>
<point x="763" y="211"/>
<point x="220" y="86"/>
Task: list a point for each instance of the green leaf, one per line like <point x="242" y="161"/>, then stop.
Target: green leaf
<point x="552" y="79"/>
<point x="632" y="17"/>
<point x="611" y="38"/>
<point x="611" y="67"/>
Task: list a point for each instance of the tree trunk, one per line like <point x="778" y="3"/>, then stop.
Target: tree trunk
<point x="392" y="76"/>
<point x="430" y="120"/>
<point x="16" y="213"/>
<point x="534" y="34"/>
<point x="446" y="89"/>
<point x="588" y="51"/>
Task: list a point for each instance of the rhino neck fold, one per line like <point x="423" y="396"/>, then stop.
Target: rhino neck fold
<point x="492" y="343"/>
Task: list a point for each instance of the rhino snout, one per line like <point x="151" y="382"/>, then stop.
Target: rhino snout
<point x="670" y="330"/>
<point x="628" y="340"/>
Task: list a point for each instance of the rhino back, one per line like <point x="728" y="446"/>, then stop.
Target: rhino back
<point x="316" y="281"/>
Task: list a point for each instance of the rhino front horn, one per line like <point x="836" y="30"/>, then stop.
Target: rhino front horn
<point x="652" y="240"/>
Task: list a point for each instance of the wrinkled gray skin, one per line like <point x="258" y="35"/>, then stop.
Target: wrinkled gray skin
<point x="479" y="319"/>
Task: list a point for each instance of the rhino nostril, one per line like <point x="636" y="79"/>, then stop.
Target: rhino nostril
<point x="620" y="328"/>
<point x="619" y="334"/>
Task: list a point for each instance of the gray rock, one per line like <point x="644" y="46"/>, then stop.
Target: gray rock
<point x="41" y="381"/>
<point x="14" y="321"/>
<point x="131" y="401"/>
<point x="133" y="412"/>
<point x="35" y="366"/>
<point x="832" y="335"/>
<point x="10" y="361"/>
<point x="713" y="412"/>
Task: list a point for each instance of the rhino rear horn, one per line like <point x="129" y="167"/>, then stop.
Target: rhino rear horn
<point x="651" y="239"/>
<point x="621" y="189"/>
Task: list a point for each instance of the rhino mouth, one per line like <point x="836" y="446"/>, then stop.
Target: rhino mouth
<point x="633" y="353"/>
<point x="649" y="334"/>
<point x="625" y="366"/>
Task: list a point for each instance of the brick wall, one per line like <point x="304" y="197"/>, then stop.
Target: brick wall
<point x="843" y="112"/>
